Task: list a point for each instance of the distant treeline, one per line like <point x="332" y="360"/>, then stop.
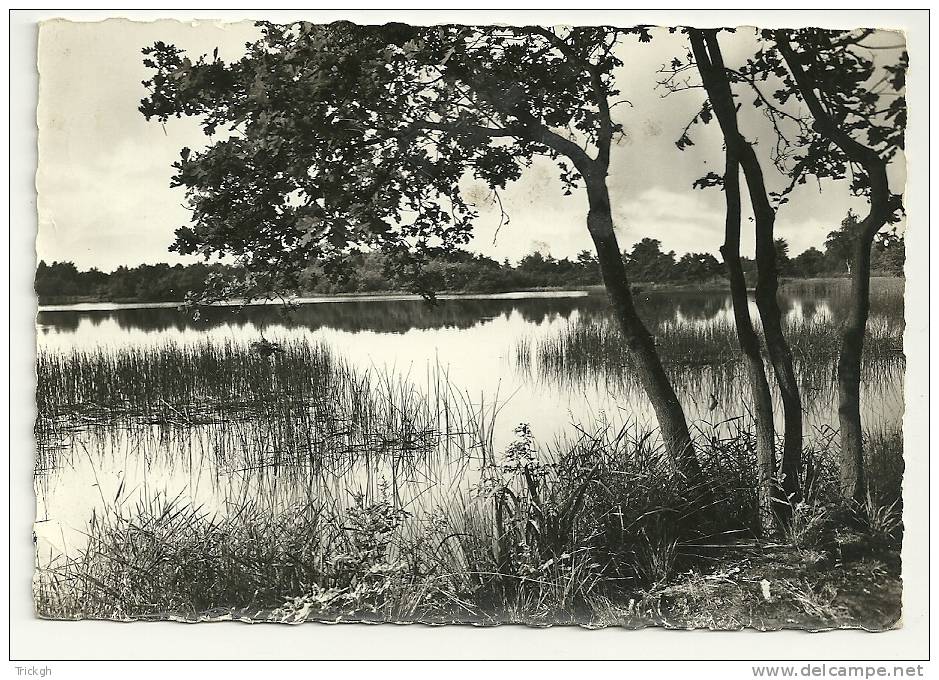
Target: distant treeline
<point x="461" y="271"/>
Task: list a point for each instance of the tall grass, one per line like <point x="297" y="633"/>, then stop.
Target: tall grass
<point x="203" y="376"/>
<point x="559" y="532"/>
<point x="595" y="343"/>
<point x="886" y="293"/>
<point x="297" y="404"/>
<point x="705" y="355"/>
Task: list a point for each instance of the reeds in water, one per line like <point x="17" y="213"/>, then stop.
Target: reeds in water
<point x="299" y="401"/>
<point x="563" y="532"/>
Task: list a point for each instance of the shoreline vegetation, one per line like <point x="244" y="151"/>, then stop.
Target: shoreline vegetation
<point x="368" y="496"/>
<point x="377" y="295"/>
<point x="459" y="272"/>
<point x="712" y="285"/>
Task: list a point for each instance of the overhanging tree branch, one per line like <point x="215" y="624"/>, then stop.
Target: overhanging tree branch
<point x="825" y="123"/>
<point x="605" y="131"/>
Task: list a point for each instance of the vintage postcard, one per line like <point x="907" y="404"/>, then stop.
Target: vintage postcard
<point x="471" y="323"/>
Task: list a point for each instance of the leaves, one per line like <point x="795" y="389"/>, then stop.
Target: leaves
<point x="684" y="142"/>
<point x="712" y="179"/>
<point x="862" y="96"/>
<point x="366" y="132"/>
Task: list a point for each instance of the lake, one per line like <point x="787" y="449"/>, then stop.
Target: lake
<point x="497" y="352"/>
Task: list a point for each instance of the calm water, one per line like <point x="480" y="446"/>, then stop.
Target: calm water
<point x="472" y="340"/>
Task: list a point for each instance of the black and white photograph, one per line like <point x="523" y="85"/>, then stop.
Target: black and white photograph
<point x="473" y="323"/>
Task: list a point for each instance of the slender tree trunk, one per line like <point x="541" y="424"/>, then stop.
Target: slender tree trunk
<point x="767" y="286"/>
<point x="853" y="478"/>
<point x="710" y="62"/>
<point x="646" y="362"/>
<point x="853" y="482"/>
<point x="647" y="365"/>
<point x="750" y="347"/>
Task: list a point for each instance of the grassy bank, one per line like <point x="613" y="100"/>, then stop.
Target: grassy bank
<point x="599" y="343"/>
<point x="377" y="293"/>
<point x="593" y="531"/>
<point x="592" y="528"/>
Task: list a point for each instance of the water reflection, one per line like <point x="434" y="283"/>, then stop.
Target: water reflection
<point x="352" y="316"/>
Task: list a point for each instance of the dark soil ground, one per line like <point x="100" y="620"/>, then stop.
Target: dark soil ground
<point x="781" y="587"/>
<point x="768" y="588"/>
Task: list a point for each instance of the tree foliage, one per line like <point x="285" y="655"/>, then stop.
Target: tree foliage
<point x="887" y="256"/>
<point x="328" y="139"/>
<point x="863" y="103"/>
<point x="863" y="98"/>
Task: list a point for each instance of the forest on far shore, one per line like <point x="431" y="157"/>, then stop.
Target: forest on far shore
<point x="465" y="272"/>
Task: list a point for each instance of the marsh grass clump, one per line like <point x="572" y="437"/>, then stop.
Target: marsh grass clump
<point x="192" y="383"/>
<point x="809" y="524"/>
<point x="883" y="523"/>
<point x="821" y="519"/>
<point x="298" y="405"/>
<point x="164" y="556"/>
<point x="883" y="460"/>
<point x="187" y="378"/>
<point x="691" y="340"/>
<point x="593" y="519"/>
<point x="595" y="347"/>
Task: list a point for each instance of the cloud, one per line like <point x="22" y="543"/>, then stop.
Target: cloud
<point x="684" y="221"/>
<point x="104" y="174"/>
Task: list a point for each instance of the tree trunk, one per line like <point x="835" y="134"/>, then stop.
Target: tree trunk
<point x="647" y="365"/>
<point x="853" y="483"/>
<point x="853" y="480"/>
<point x="750" y="347"/>
<point x="767" y="285"/>
<point x="710" y="63"/>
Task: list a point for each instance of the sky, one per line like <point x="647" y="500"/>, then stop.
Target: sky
<point x="104" y="198"/>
